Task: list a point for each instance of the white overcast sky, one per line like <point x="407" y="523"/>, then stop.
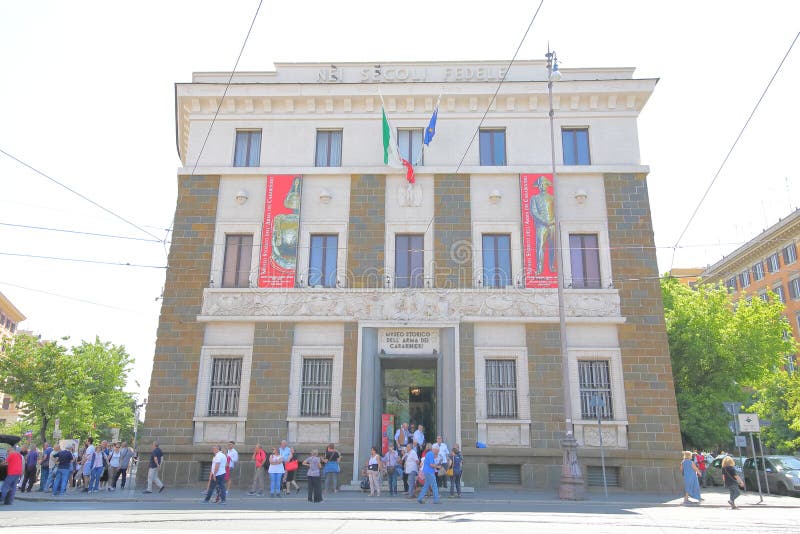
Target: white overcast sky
<point x="88" y="98"/>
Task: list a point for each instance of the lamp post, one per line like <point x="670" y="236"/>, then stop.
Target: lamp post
<point x="571" y="486"/>
<point x="135" y="463"/>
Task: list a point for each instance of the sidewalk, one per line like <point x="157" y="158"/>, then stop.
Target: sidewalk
<point x="713" y="497"/>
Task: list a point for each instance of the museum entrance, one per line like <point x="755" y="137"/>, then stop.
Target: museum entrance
<point x="408" y="391"/>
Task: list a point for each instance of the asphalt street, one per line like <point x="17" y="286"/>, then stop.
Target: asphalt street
<point x="351" y="512"/>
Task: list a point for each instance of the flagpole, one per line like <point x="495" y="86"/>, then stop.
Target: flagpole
<point x="424" y="146"/>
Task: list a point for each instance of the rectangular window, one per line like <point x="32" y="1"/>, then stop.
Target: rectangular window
<point x="794" y="288"/>
<point x="501" y="389"/>
<point x="789" y="254"/>
<point x="744" y="279"/>
<point x="6" y="403"/>
<point x="329" y="148"/>
<point x="758" y="271"/>
<point x="248" y="148"/>
<point x="496" y="260"/>
<point x="763" y="296"/>
<point x="315" y="397"/>
<point x="408" y="260"/>
<point x="575" y="144"/>
<point x="322" y="261"/>
<point x="584" y="256"/>
<point x="492" y="147"/>
<point x="409" y="141"/>
<point x="772" y="263"/>
<point x="778" y="290"/>
<point x="595" y="388"/>
<point x="731" y="283"/>
<point x="238" y="252"/>
<point x="226" y="378"/>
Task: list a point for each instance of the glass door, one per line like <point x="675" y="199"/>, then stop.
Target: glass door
<point x="409" y="393"/>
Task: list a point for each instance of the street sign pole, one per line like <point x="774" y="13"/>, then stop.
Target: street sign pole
<point x="763" y="461"/>
<point x="755" y="464"/>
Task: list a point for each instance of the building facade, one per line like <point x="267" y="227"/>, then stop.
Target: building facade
<point x="10" y="317"/>
<point x="768" y="262"/>
<point x="315" y="294"/>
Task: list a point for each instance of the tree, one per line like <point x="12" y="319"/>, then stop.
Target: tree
<point x="720" y="352"/>
<point x="82" y="387"/>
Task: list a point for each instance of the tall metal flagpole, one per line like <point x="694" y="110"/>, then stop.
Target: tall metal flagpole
<point x="571" y="486"/>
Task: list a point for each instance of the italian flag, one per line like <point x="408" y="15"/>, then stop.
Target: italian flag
<point x="391" y="156"/>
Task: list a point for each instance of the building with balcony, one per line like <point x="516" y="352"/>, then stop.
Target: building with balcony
<point x="768" y="262"/>
<point x="315" y="294"/>
<point x="10" y="317"/>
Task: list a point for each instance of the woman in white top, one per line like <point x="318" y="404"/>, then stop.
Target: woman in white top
<point x="113" y="466"/>
<point x="275" y="471"/>
<point x="374" y="468"/>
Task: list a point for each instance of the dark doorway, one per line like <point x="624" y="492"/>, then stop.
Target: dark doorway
<point x="408" y="391"/>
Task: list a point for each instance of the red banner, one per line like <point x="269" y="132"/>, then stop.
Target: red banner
<point x="538" y="230"/>
<point x="281" y="232"/>
<point x="387" y="432"/>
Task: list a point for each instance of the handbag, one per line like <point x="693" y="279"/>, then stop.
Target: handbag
<point x="291" y="466"/>
<point x="372" y="467"/>
<point x="420" y="478"/>
<point x="449" y="472"/>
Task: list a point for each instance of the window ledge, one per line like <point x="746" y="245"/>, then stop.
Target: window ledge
<point x="311" y="419"/>
<point x="504" y="421"/>
<point x="615" y="422"/>
<point x="219" y="418"/>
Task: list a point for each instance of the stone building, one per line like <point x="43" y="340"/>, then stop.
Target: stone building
<point x="10" y="317"/>
<point x="313" y="292"/>
<point x="766" y="263"/>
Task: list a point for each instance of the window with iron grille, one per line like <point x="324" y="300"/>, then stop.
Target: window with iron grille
<point x="595" y="387"/>
<point x="789" y="254"/>
<point x="758" y="271"/>
<point x="226" y="379"/>
<point x="315" y="397"/>
<point x="772" y="263"/>
<point x="501" y="389"/>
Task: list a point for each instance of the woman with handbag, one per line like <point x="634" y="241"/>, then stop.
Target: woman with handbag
<point x="732" y="480"/>
<point x="374" y="468"/>
<point x="331" y="469"/>
<point x="291" y="471"/>
<point x="454" y="470"/>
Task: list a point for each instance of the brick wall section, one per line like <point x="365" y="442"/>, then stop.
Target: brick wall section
<point x="649" y="392"/>
<point x="269" y="384"/>
<point x="466" y="342"/>
<point x="545" y="379"/>
<point x="366" y="231"/>
<point x="173" y="381"/>
<point x="452" y="244"/>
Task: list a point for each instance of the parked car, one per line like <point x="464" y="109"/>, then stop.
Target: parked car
<point x="714" y="470"/>
<point x="783" y="474"/>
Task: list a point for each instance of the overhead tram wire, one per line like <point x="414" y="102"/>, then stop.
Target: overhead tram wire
<point x="84" y="197"/>
<point x="76" y="299"/>
<point x="79" y="260"/>
<point x="219" y="106"/>
<point x="78" y="232"/>
<point x="733" y="146"/>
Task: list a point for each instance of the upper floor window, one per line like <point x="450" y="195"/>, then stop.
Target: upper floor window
<point x="789" y="254"/>
<point x="248" y="148"/>
<point x="492" y="147"/>
<point x="315" y="396"/>
<point x="584" y="256"/>
<point x="409" y="260"/>
<point x="575" y="144"/>
<point x="772" y="263"/>
<point x="794" y="288"/>
<point x="236" y="267"/>
<point x="329" y="148"/>
<point x="758" y="271"/>
<point x="409" y="141"/>
<point x="595" y="389"/>
<point x="744" y="278"/>
<point x="731" y="283"/>
<point x="763" y="296"/>
<point x="226" y="379"/>
<point x="778" y="290"/>
<point x="322" y="261"/>
<point x="496" y="260"/>
<point x="501" y="389"/>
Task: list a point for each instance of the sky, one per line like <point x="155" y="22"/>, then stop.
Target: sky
<point x="88" y="99"/>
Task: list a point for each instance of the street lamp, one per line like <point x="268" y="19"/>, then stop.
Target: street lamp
<point x="571" y="486"/>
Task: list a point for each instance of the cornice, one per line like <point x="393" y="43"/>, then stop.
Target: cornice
<point x="10" y="310"/>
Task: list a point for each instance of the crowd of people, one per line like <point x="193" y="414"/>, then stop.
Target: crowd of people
<point x="64" y="465"/>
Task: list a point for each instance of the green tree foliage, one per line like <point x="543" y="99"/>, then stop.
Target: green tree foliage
<point x="720" y="352"/>
<point x="81" y="386"/>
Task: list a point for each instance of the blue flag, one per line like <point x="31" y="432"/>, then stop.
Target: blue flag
<point x="430" y="131"/>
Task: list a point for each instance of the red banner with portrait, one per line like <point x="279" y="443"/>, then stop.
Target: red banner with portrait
<point x="387" y="432"/>
<point x="281" y="232"/>
<point x="538" y="230"/>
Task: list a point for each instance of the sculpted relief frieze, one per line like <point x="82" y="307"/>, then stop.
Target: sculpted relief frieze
<point x="405" y="305"/>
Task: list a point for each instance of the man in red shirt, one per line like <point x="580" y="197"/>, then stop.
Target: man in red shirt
<point x="14" y="462"/>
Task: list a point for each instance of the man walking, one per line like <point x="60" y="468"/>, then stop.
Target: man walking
<point x="31" y="461"/>
<point x="218" y="475"/>
<point x="13" y="474"/>
<point x="63" y="469"/>
<point x="156" y="460"/>
<point x="125" y="457"/>
<point x="233" y="456"/>
<point x="430" y="464"/>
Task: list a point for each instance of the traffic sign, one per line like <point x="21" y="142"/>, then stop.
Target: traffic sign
<point x="741" y="441"/>
<point x="748" y="422"/>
